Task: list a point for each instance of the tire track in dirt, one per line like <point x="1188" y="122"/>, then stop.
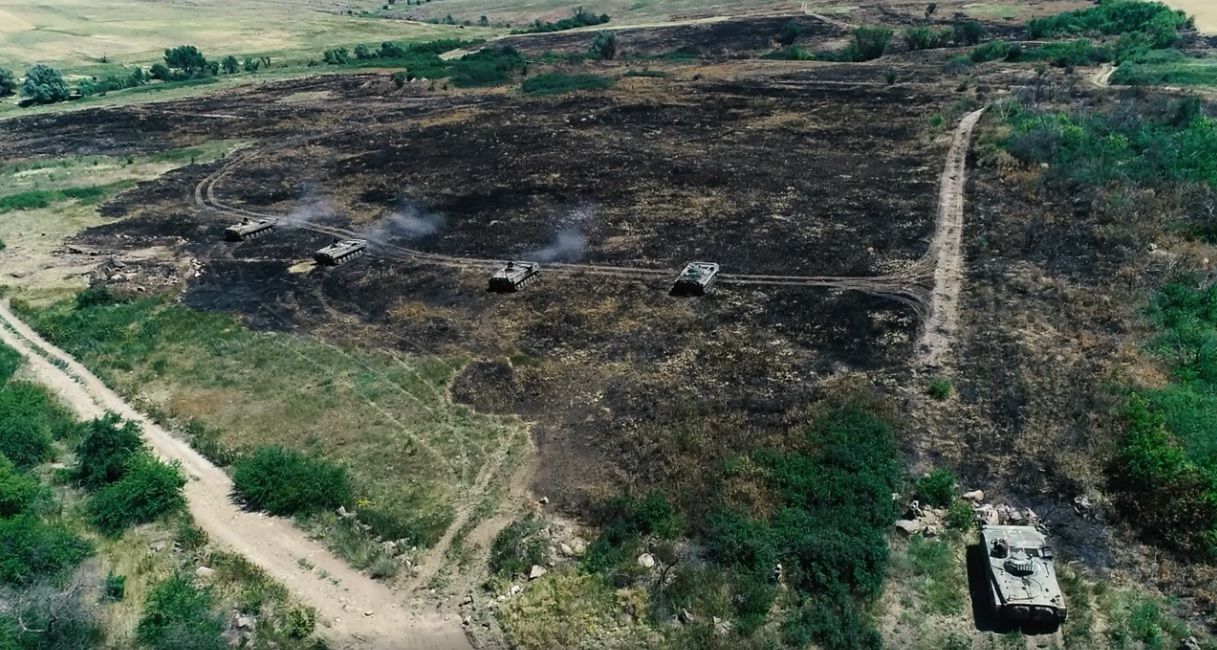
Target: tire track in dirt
<point x="942" y="315"/>
<point x="356" y="611"/>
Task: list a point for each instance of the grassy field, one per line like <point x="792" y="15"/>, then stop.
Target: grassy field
<point x="412" y="453"/>
<point x="78" y="35"/>
<point x="1176" y="72"/>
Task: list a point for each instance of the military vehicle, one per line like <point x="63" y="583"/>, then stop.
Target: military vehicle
<point x="341" y="251"/>
<point x="1022" y="580"/>
<point x="696" y="279"/>
<point x="248" y="229"/>
<point x="513" y="276"/>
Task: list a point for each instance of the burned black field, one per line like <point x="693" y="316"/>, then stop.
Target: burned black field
<point x="764" y="168"/>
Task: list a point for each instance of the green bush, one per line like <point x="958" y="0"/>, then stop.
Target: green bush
<point x="604" y="46"/>
<point x="31" y="549"/>
<point x="940" y="388"/>
<point x="579" y="18"/>
<point x="1157" y="22"/>
<point x="96" y="295"/>
<point x="870" y="43"/>
<point x="517" y="547"/>
<point x="998" y="50"/>
<point x="1077" y="53"/>
<point x="10" y="361"/>
<point x="553" y="83"/>
<point x="114" y="588"/>
<point x="833" y="624"/>
<point x="927" y="38"/>
<point x="287" y="482"/>
<point x="105" y="450"/>
<point x="29" y="419"/>
<point x="960" y="516"/>
<point x="301" y="622"/>
<point x="936" y="489"/>
<point x="17" y="491"/>
<point x="968" y="32"/>
<point x="487" y="67"/>
<point x="178" y="616"/>
<point x="148" y="490"/>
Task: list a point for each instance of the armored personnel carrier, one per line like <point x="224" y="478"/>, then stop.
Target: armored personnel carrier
<point x="341" y="251"/>
<point x="1022" y="580"/>
<point x="248" y="229"/>
<point x="696" y="279"/>
<point x="513" y="276"/>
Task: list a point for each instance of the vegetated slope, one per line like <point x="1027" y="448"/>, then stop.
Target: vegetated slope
<point x="358" y="610"/>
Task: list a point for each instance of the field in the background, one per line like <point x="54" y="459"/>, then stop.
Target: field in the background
<point x="76" y="34"/>
<point x="1205" y="12"/>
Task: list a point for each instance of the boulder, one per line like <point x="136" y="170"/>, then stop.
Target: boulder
<point x="244" y="622"/>
<point x="975" y="496"/>
<point x="646" y="560"/>
<point x="204" y="572"/>
<point x="536" y="572"/>
<point x="910" y="526"/>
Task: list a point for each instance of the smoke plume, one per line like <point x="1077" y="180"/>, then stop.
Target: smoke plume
<point x="570" y="243"/>
<point x="409" y="221"/>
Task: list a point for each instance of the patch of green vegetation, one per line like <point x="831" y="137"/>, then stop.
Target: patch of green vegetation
<point x="180" y="614"/>
<point x="147" y="490"/>
<point x="1166" y="68"/>
<point x="555" y="83"/>
<point x="936" y="489"/>
<point x="940" y="569"/>
<point x="517" y="547"/>
<point x="286" y="482"/>
<point x="36" y="199"/>
<point x="1137" y="620"/>
<point x="997" y="50"/>
<point x="579" y="18"/>
<point x="1170" y="141"/>
<point x="927" y="38"/>
<point x="646" y="72"/>
<point x="487" y="67"/>
<point x="1140" y="26"/>
<point x="940" y="388"/>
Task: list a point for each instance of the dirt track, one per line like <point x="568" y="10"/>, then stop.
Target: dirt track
<point x="942" y="317"/>
<point x="356" y="611"/>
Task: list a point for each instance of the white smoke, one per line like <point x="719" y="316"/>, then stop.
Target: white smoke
<point x="312" y="208"/>
<point x="409" y="221"/>
<point x="570" y="243"/>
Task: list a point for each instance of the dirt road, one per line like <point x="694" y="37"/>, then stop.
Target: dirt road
<point x="942" y="317"/>
<point x="356" y="611"/>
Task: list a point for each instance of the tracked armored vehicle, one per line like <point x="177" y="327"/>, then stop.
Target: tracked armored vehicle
<point x="513" y="276"/>
<point x="341" y="252"/>
<point x="696" y="279"/>
<point x="248" y="229"/>
<point x="1021" y="577"/>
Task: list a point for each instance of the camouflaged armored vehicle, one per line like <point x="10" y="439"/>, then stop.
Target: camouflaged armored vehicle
<point x="1022" y="580"/>
<point x="696" y="279"/>
<point x="340" y="252"/>
<point x="513" y="276"/>
<point x="248" y="229"/>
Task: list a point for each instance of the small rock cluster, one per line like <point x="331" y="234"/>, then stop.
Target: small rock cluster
<point x="931" y="522"/>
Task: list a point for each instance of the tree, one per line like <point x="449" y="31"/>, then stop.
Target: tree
<point x="604" y="46"/>
<point x="363" y="52"/>
<point x="138" y="77"/>
<point x="8" y="82"/>
<point x="251" y="64"/>
<point x="17" y="491"/>
<point x="930" y="9"/>
<point x="44" y="85"/>
<point x="188" y="59"/>
<point x="337" y="56"/>
<point x="399" y="78"/>
<point x="483" y="21"/>
<point x="160" y="71"/>
<point x="968" y="32"/>
<point x="230" y="64"/>
<point x="870" y="42"/>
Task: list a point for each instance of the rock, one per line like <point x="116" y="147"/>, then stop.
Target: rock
<point x="158" y="546"/>
<point x="1189" y="643"/>
<point x="685" y="616"/>
<point x="987" y="514"/>
<point x="246" y="621"/>
<point x="722" y="627"/>
<point x="536" y="572"/>
<point x="204" y="572"/>
<point x="646" y="560"/>
<point x="578" y="546"/>
<point x="1081" y="504"/>
<point x="566" y="549"/>
<point x="910" y="526"/>
<point x="466" y="621"/>
<point x="367" y="612"/>
<point x="975" y="496"/>
<point x="543" y="500"/>
<point x="467" y="600"/>
<point x="342" y="512"/>
<point x="515" y="589"/>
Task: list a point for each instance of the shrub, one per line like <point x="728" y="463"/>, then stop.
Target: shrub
<point x="31" y="549"/>
<point x="579" y="18"/>
<point x="28" y="420"/>
<point x="553" y="83"/>
<point x="791" y="31"/>
<point x="46" y="616"/>
<point x="517" y="547"/>
<point x="149" y="489"/>
<point x="301" y="622"/>
<point x="870" y="42"/>
<point x="8" y="85"/>
<point x="604" y="46"/>
<point x="10" y="360"/>
<point x="17" y="491"/>
<point x="114" y="588"/>
<point x="936" y="489"/>
<point x="927" y="38"/>
<point x="995" y="51"/>
<point x="968" y="32"/>
<point x="960" y="516"/>
<point x="834" y="624"/>
<point x="337" y="56"/>
<point x="287" y="482"/>
<point x="1156" y="21"/>
<point x="105" y="450"/>
<point x="487" y="67"/>
<point x="178" y="615"/>
<point x="96" y="295"/>
<point x="940" y="388"/>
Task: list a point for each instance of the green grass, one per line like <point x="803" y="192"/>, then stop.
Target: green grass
<point x="938" y="565"/>
<point x="37" y="199"/>
<point x="556" y="83"/>
<point x="385" y="418"/>
<point x="1167" y="68"/>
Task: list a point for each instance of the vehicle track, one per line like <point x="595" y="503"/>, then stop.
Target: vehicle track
<point x="356" y="611"/>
